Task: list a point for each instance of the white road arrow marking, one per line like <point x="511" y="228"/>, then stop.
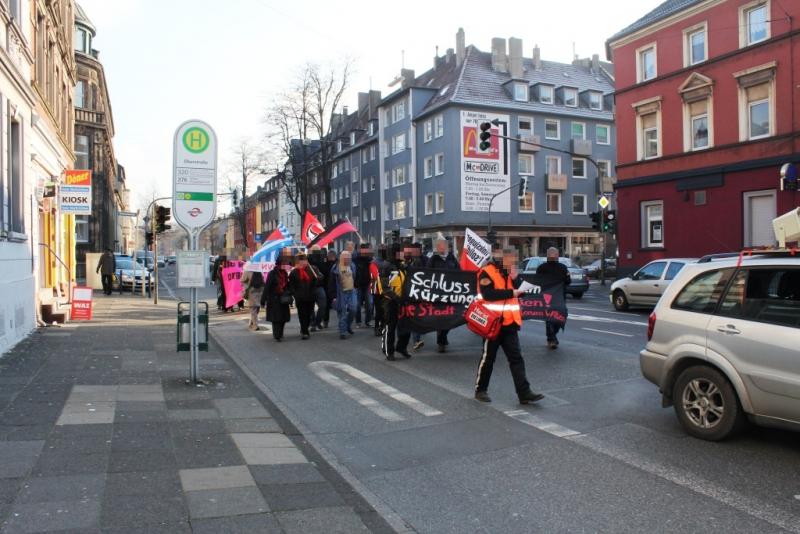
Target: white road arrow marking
<point x="607" y="332"/>
<point x="322" y="370"/>
<point x="593" y="318"/>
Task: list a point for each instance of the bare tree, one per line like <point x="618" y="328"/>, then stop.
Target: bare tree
<point x="247" y="161"/>
<point x="303" y="118"/>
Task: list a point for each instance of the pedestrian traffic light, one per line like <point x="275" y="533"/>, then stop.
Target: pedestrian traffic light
<point x="162" y="216"/>
<point x="610" y="223"/>
<point x="486" y="136"/>
<point x="596" y="217"/>
<point x="148" y="239"/>
<point x="523" y="186"/>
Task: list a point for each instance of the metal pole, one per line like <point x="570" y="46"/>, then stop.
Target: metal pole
<point x="155" y="256"/>
<point x="194" y="365"/>
<point x="603" y="259"/>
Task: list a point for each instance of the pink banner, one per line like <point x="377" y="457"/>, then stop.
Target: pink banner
<point x="231" y="278"/>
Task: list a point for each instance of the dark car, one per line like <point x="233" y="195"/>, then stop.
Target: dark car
<point x="579" y="283"/>
<point x="593" y="269"/>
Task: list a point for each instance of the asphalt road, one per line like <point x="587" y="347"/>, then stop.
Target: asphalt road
<point x="599" y="454"/>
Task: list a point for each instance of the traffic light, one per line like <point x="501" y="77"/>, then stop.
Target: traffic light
<point x="491" y="235"/>
<point x="596" y="220"/>
<point x="235" y="194"/>
<point x="610" y="224"/>
<point x="162" y="216"/>
<point x="523" y="186"/>
<point x="486" y="136"/>
<point x="148" y="239"/>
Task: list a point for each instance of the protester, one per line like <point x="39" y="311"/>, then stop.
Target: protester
<point x="317" y="260"/>
<point x="277" y="296"/>
<point x="498" y="284"/>
<point x="107" y="266"/>
<point x="413" y="258"/>
<point x="445" y="260"/>
<point x="303" y="282"/>
<point x="341" y="284"/>
<point x="253" y="282"/>
<point x="326" y="268"/>
<point x="392" y="299"/>
<point x="216" y="277"/>
<point x="379" y="264"/>
<point x="556" y="270"/>
<point x="364" y="281"/>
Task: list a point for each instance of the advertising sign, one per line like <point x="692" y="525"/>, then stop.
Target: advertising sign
<point x="194" y="175"/>
<point x="75" y="194"/>
<point x="484" y="172"/>
<point x="81" y="304"/>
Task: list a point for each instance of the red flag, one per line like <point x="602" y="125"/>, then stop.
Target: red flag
<point x="337" y="230"/>
<point x="312" y="228"/>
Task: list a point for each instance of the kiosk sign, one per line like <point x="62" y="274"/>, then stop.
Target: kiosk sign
<point x="194" y="175"/>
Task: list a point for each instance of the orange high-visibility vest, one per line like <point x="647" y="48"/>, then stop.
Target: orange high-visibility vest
<point x="509" y="307"/>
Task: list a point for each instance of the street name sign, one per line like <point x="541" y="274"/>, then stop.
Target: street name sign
<point x="194" y="175"/>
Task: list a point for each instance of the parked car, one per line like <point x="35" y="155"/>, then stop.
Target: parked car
<point x="162" y="262"/>
<point x="722" y="344"/>
<point x="130" y="274"/>
<point x="171" y="260"/>
<point x="579" y="282"/>
<point x="593" y="269"/>
<point x="645" y="286"/>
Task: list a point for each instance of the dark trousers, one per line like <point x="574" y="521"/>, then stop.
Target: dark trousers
<point x="305" y="312"/>
<point x="441" y="337"/>
<point x="551" y="329"/>
<point x="322" y="306"/>
<point x="364" y="300"/>
<point x="392" y="341"/>
<point x="380" y="319"/>
<point x="277" y="329"/>
<point x="509" y="340"/>
<point x="108" y="283"/>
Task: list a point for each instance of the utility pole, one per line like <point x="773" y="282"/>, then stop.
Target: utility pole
<point x="155" y="255"/>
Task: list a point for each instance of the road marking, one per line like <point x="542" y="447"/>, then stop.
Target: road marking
<point x="626" y="314"/>
<point x="596" y="319"/>
<point x="321" y="369"/>
<point x="607" y="332"/>
<point x="542" y="424"/>
<point x="169" y="290"/>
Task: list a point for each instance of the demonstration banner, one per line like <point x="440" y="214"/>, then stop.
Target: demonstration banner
<point x="231" y="279"/>
<point x="476" y="252"/>
<point x="436" y="300"/>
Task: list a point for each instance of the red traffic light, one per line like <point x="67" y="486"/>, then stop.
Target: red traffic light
<point x="486" y="136"/>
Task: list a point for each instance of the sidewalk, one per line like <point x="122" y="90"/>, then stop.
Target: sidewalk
<point x="100" y="433"/>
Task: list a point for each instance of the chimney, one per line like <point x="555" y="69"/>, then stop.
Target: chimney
<point x="344" y="111"/>
<point x="450" y="54"/>
<point x="374" y="102"/>
<point x="537" y="58"/>
<point x="408" y="77"/>
<point x="596" y="64"/>
<point x="461" y="47"/>
<point x="363" y="101"/>
<point x="515" y="57"/>
<point x="499" y="55"/>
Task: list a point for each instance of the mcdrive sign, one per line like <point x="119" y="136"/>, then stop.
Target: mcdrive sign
<point x="75" y="194"/>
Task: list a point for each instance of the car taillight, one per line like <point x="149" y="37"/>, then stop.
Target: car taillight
<point x="651" y="325"/>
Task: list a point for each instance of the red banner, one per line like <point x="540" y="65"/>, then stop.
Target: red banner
<point x="334" y="232"/>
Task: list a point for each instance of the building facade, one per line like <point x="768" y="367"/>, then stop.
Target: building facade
<point x="706" y="115"/>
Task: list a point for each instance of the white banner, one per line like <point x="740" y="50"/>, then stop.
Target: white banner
<point x="484" y="172"/>
<point x="476" y="251"/>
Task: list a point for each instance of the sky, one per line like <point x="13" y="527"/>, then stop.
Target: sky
<point x="167" y="61"/>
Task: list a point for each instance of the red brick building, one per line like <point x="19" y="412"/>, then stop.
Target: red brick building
<point x="707" y="112"/>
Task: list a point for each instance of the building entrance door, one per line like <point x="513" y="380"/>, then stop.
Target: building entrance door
<point x="759" y="210"/>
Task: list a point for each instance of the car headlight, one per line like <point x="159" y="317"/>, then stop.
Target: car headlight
<point x="127" y="278"/>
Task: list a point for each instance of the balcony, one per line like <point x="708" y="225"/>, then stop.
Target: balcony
<point x="556" y="182"/>
<point x="582" y="147"/>
<point x="90" y="116"/>
<point x="527" y="146"/>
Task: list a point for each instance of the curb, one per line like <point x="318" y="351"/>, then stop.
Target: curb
<point x="392" y="518"/>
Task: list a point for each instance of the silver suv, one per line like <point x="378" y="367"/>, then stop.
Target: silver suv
<point x="723" y="343"/>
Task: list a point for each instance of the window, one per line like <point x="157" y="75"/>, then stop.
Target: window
<point x="602" y="133"/>
<point x="82" y="38"/>
<point x="16" y="184"/>
<point x="579" y="204"/>
<point x="429" y="204"/>
<point x="439" y="164"/>
<point x="339" y="145"/>
<point x="81" y="152"/>
<point x="578" y="168"/>
<point x="769" y="295"/>
<point x="373" y="152"/>
<point x="646" y="67"/>
<point x="366" y="215"/>
<point x="526" y="202"/>
<point x="652" y="271"/>
<point x="335" y="171"/>
<point x="695" y="49"/>
<point x="552" y="129"/>
<point x="371" y="128"/>
<point x="398" y="176"/>
<point x="428" y="166"/>
<point x="596" y="100"/>
<point x="373" y="213"/>
<point x="650" y="148"/>
<point x="440" y="202"/>
<point x="354" y="198"/>
<point x="364" y="156"/>
<point x="352" y="138"/>
<point x="334" y="197"/>
<point x="314" y="178"/>
<point x="604" y="167"/>
<point x="314" y="199"/>
<point x="365" y="185"/>
<point x="578" y="130"/>
<point x="758" y="118"/>
<point x="653" y="224"/>
<point x="703" y="292"/>
<point x="372" y="183"/>
<point x="553" y="202"/>
<point x="438" y="126"/>
<point x="80" y="94"/>
<point x="399" y="111"/>
<point x="546" y="94"/>
<point x="346" y="164"/>
<point x="427" y="131"/>
<point x="553" y="164"/>
<point x="347" y="191"/>
<point x="82" y="228"/>
<point x="754" y="19"/>
<point x="525" y="163"/>
<point x="570" y="97"/>
<point x="699" y="131"/>
<point x="520" y="92"/>
<point x="399" y="209"/>
<point x="673" y="269"/>
<point x="356" y="174"/>
<point x="398" y="143"/>
<point x="525" y="126"/>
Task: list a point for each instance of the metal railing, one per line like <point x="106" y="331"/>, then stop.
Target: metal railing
<point x="69" y="272"/>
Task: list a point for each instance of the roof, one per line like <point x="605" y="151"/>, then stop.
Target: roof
<point x="83" y="19"/>
<point x="664" y="10"/>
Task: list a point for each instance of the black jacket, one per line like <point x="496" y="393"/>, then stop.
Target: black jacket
<point x="277" y="312"/>
<point x="303" y="291"/>
<point x="556" y="270"/>
<point x="449" y="262"/>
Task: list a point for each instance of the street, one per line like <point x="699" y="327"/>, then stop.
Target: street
<point x="598" y="454"/>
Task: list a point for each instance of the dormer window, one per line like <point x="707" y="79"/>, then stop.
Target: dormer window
<point x="596" y="100"/>
<point x="546" y="94"/>
<point x="352" y="138"/>
<point x="520" y="92"/>
<point x="338" y="146"/>
<point x="570" y="97"/>
<point x="82" y="41"/>
<point x="371" y="128"/>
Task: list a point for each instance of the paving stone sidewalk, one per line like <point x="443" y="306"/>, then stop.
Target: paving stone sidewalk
<point x="99" y="432"/>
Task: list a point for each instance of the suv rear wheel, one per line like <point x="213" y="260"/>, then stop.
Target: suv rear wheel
<point x="706" y="404"/>
<point x="620" y="300"/>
